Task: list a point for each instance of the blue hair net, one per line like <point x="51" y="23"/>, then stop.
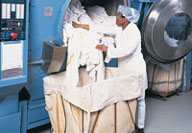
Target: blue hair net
<point x="130" y="13"/>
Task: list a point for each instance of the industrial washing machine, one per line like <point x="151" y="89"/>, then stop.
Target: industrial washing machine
<point x="13" y="61"/>
<point x="30" y="43"/>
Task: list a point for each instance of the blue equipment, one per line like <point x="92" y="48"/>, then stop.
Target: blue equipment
<point x="13" y="61"/>
<point x="24" y="28"/>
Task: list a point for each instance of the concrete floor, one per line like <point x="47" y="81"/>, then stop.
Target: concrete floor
<point x="171" y="116"/>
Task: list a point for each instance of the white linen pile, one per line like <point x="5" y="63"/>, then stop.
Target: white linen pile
<point x="81" y="43"/>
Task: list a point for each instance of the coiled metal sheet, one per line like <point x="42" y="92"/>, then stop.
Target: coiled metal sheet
<point x="154" y="26"/>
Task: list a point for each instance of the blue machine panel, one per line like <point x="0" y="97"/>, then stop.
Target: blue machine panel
<point x="37" y="107"/>
<point x="46" y="21"/>
<point x="13" y="42"/>
<point x="13" y="61"/>
<point x="10" y="123"/>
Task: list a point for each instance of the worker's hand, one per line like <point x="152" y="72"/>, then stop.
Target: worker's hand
<point x="102" y="48"/>
<point x="76" y="25"/>
<point x="84" y="26"/>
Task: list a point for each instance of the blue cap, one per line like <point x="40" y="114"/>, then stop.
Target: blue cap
<point x="130" y="13"/>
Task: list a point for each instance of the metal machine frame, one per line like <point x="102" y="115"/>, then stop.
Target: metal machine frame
<point x="25" y="109"/>
<point x="45" y="24"/>
<point x="10" y="114"/>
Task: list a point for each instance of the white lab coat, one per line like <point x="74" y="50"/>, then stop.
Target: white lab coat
<point x="128" y="48"/>
<point x="128" y="52"/>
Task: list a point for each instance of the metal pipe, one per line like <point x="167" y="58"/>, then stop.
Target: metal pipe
<point x="41" y="62"/>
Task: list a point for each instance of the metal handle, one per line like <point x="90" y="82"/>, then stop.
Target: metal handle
<point x="41" y="62"/>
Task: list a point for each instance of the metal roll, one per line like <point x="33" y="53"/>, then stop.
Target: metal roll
<point x="148" y="48"/>
<point x="154" y="27"/>
<point x="151" y="19"/>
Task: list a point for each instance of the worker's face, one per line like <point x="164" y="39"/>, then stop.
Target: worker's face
<point x="120" y="19"/>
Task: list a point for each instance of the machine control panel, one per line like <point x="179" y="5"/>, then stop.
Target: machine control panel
<point x="13" y="42"/>
<point x="12" y="20"/>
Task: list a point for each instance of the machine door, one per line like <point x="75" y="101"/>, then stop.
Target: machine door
<point x="166" y="30"/>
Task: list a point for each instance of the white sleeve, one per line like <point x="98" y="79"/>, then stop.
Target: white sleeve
<point x="104" y="29"/>
<point x="129" y="43"/>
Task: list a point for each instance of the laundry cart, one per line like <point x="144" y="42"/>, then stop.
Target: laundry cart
<point x="95" y="107"/>
<point x="165" y="81"/>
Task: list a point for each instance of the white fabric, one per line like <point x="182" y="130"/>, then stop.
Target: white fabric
<point x="67" y="33"/>
<point x="100" y="18"/>
<point x="109" y="42"/>
<point x="75" y="12"/>
<point x="103" y="23"/>
<point x="141" y="110"/>
<point x="91" y="57"/>
<point x="73" y="59"/>
<point x="81" y="45"/>
<point x="119" y="85"/>
<point x="171" y="41"/>
<point x="81" y="51"/>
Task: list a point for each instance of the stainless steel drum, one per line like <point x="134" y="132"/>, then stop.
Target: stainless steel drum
<point x="154" y="26"/>
<point x="109" y="5"/>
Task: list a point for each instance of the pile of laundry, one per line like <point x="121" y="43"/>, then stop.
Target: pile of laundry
<point x="81" y="43"/>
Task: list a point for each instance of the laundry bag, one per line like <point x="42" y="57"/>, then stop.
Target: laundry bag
<point x="93" y="107"/>
<point x="165" y="82"/>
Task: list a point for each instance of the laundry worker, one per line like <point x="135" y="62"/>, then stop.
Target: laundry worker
<point x="128" y="51"/>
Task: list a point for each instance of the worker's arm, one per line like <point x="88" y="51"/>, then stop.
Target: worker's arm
<point x="84" y="26"/>
<point x="108" y="30"/>
<point x="98" y="28"/>
<point x="127" y="47"/>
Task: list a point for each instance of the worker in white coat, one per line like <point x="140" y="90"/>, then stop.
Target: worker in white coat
<point x="127" y="49"/>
